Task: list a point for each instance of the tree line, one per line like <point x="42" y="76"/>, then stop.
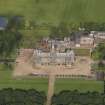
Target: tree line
<point x="21" y="97"/>
<point x="10" y="37"/>
<point x="77" y="98"/>
<point x="32" y="97"/>
<point x="98" y="55"/>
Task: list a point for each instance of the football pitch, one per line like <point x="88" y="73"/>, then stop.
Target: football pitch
<point x="55" y="11"/>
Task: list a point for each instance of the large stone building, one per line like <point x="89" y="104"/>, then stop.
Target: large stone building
<point x="54" y="57"/>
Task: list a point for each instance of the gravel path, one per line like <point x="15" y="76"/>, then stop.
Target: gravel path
<point x="50" y="88"/>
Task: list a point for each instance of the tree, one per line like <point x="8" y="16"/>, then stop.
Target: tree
<point x="54" y="32"/>
<point x="77" y="98"/>
<point x="16" y="23"/>
<point x="8" y="42"/>
<point x="60" y="31"/>
<point x="93" y="26"/>
<point x="21" y="97"/>
<point x="63" y="30"/>
<point x="98" y="54"/>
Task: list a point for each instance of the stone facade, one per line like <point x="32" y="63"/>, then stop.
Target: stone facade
<point x="53" y="57"/>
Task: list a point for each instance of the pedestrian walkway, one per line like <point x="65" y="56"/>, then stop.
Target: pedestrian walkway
<point x="50" y="88"/>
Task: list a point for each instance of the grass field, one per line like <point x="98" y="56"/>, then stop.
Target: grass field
<point x="52" y="12"/>
<point x="55" y="11"/>
<point x="82" y="52"/>
<point x="81" y="85"/>
<point x="7" y="81"/>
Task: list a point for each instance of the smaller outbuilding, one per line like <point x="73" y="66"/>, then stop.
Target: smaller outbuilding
<point x="100" y="35"/>
<point x="87" y="41"/>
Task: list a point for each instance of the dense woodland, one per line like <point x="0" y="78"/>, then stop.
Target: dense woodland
<point x="10" y="38"/>
<point x="32" y="97"/>
<point x="21" y="97"/>
<point x="77" y="98"/>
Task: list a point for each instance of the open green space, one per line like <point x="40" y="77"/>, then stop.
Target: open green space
<point x="7" y="81"/>
<point x="81" y="85"/>
<point x="41" y="84"/>
<point x="82" y="52"/>
<point x="55" y="11"/>
<point x="51" y="12"/>
<point x="47" y="13"/>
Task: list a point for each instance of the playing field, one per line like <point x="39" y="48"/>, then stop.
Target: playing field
<point x="55" y="11"/>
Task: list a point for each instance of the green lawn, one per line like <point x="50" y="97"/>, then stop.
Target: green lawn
<point x="55" y="11"/>
<point x="81" y="85"/>
<point x="82" y="52"/>
<point x="7" y="81"/>
<point x="41" y="84"/>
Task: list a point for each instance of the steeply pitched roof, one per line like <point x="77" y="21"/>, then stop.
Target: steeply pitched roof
<point x="3" y="22"/>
